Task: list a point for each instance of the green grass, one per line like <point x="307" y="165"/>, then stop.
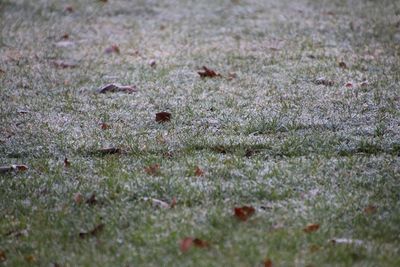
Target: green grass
<point x="271" y="138"/>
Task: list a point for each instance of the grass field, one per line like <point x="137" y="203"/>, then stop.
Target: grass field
<point x="303" y="124"/>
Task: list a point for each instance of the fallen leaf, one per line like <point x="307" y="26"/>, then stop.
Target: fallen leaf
<point x="69" y="9"/>
<point x="267" y="263"/>
<point x="153" y="169"/>
<point x="163" y="117"/>
<point x="198" y="171"/>
<point x="188" y="242"/>
<point x="61" y="64"/>
<point x="173" y="203"/>
<point x="200" y="243"/>
<point x="78" y="198"/>
<point x="349" y="85"/>
<point x="94" y="232"/>
<point x="153" y="63"/>
<point x="67" y="163"/>
<point x="324" y="81"/>
<point x="311" y="228"/>
<point x="3" y="256"/>
<point x="206" y="72"/>
<point x="112" y="49"/>
<point x="370" y="209"/>
<point x="92" y="199"/>
<point x="342" y="65"/>
<point x="114" y="88"/>
<point x="31" y="258"/>
<point x="105" y="126"/>
<point x="65" y="36"/>
<point x="109" y="151"/>
<point x="347" y="241"/>
<point x="243" y="213"/>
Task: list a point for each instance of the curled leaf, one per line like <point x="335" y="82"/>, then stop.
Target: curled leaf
<point x="312" y="227"/>
<point x="206" y="72"/>
<point x="163" y="117"/>
<point x="94" y="232"/>
<point x="115" y="88"/>
<point x="243" y="213"/>
<point x="105" y="126"/>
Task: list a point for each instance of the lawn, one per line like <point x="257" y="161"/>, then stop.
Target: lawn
<point x="297" y="118"/>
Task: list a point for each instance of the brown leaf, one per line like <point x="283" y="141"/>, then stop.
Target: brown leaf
<point x="65" y="36"/>
<point x="200" y="243"/>
<point x="163" y="117"/>
<point x="112" y="49"/>
<point x="324" y="81"/>
<point x="67" y="163"/>
<point x="92" y="199"/>
<point x="267" y="263"/>
<point x="3" y="256"/>
<point x="62" y="64"/>
<point x="78" y="198"/>
<point x="312" y="227"/>
<point x="370" y="209"/>
<point x="115" y="88"/>
<point x="342" y="65"/>
<point x="105" y="126"/>
<point x="109" y="151"/>
<point x="153" y="169"/>
<point x="206" y="72"/>
<point x="186" y="244"/>
<point x="349" y="85"/>
<point x="198" y="171"/>
<point x="243" y="213"/>
<point x="173" y="203"/>
<point x="94" y="232"/>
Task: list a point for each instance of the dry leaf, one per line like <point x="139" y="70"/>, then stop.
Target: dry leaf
<point x="62" y="64"/>
<point x="67" y="163"/>
<point x="198" y="171"/>
<point x="349" y="85"/>
<point x="342" y="65"/>
<point x="311" y="228"/>
<point x="243" y="213"/>
<point x="114" y="88"/>
<point x="173" y="203"/>
<point x="153" y="169"/>
<point x="267" y="263"/>
<point x="65" y="36"/>
<point x="370" y="209"/>
<point x="324" y="81"/>
<point x="112" y="49"/>
<point x="14" y="167"/>
<point x="105" y="126"/>
<point x="109" y="151"/>
<point x="163" y="117"/>
<point x="188" y="242"/>
<point x="206" y="72"/>
<point x="94" y="232"/>
<point x="3" y="256"/>
<point x="78" y="198"/>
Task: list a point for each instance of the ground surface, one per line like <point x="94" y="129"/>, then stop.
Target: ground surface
<point x="299" y="152"/>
